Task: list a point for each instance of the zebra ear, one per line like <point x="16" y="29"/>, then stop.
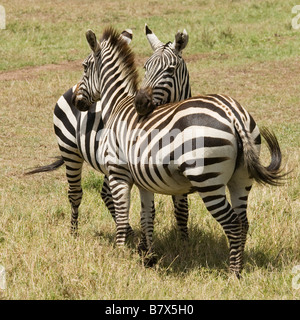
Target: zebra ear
<point x="181" y="41"/>
<point x="92" y="40"/>
<point x="126" y="35"/>
<point x="152" y="38"/>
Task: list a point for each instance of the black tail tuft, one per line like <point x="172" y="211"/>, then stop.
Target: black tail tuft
<point x="272" y="174"/>
<point x="50" y="167"/>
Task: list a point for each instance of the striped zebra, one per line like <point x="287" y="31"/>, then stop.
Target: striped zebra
<point x="171" y="81"/>
<point x="75" y="137"/>
<point x="197" y="145"/>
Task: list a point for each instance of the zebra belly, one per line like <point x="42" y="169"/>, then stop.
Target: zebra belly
<point x="185" y="178"/>
<point x="165" y="179"/>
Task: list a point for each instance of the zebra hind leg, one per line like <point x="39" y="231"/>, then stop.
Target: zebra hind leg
<point x="73" y="173"/>
<point x="217" y="204"/>
<point x="239" y="187"/>
<point x="181" y="211"/>
<point x="108" y="200"/>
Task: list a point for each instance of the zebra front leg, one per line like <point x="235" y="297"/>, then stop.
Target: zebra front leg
<point x="181" y="211"/>
<point x="109" y="202"/>
<point x="145" y="247"/>
<point x="107" y="198"/>
<point x="120" y="190"/>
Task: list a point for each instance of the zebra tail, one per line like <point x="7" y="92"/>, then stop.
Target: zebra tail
<point x="50" y="167"/>
<point x="272" y="174"/>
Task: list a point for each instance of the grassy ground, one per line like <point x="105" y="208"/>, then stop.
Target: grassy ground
<point x="243" y="48"/>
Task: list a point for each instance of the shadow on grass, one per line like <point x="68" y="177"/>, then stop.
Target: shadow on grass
<point x="177" y="256"/>
<point x="203" y="250"/>
<point x="209" y="250"/>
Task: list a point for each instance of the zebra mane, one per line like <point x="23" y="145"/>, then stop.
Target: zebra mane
<point x="164" y="46"/>
<point x="125" y="54"/>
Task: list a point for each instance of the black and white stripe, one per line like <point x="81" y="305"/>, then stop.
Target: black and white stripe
<point x="197" y="145"/>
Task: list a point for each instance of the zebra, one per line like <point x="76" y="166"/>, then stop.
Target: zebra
<point x="172" y="84"/>
<point x="74" y="149"/>
<point x="67" y="123"/>
<point x="171" y="73"/>
<point x="196" y="145"/>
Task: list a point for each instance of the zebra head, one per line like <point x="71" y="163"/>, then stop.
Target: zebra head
<point x="166" y="76"/>
<point x="87" y="91"/>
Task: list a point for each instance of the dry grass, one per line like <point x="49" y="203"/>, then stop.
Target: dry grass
<point x="43" y="261"/>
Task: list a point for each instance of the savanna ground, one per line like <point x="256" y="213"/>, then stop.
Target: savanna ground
<point x="247" y="49"/>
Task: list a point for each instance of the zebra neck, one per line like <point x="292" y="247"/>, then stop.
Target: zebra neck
<point x="115" y="91"/>
<point x="118" y="76"/>
<point x="111" y="112"/>
<point x="185" y="87"/>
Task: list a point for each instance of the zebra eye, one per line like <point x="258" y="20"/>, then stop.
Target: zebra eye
<point x="170" y="70"/>
<point x="85" y="67"/>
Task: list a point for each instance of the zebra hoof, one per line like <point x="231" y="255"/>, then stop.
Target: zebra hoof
<point x="142" y="249"/>
<point x="130" y="232"/>
<point x="184" y="237"/>
<point x="74" y="234"/>
<point x="74" y="230"/>
<point x="150" y="260"/>
<point x="236" y="274"/>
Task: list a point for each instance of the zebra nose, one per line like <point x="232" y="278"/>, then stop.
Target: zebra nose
<point x="81" y="105"/>
<point x="143" y="102"/>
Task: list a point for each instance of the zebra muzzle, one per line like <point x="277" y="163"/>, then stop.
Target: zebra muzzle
<point x="81" y="105"/>
<point x="78" y="101"/>
<point x="143" y="102"/>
